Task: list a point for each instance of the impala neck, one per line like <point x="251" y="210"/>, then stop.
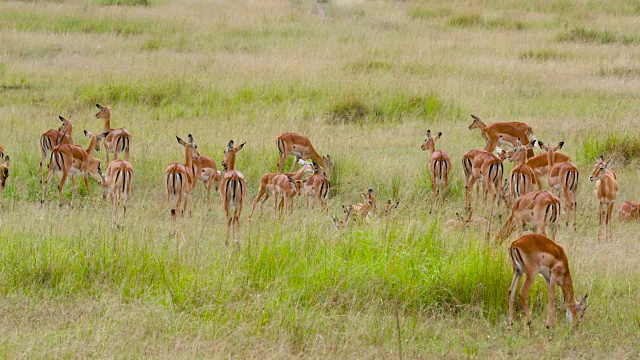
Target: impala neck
<point x="522" y="158"/>
<point x="107" y="121"/>
<point x="188" y="159"/>
<point x="481" y="125"/>
<point x="316" y="157"/>
<point x="231" y="162"/>
<point x="550" y="157"/>
<point x="300" y="173"/>
<point x="567" y="291"/>
<point x="92" y="146"/>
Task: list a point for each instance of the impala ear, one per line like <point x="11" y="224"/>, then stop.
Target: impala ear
<point x="230" y="145"/>
<point x="6" y="160"/>
<point x="428" y="134"/>
<point x="87" y="134"/>
<point x="61" y="118"/>
<point x="475" y="118"/>
<point x="459" y="217"/>
<point x="240" y="147"/>
<point x="518" y="142"/>
<point x="542" y="145"/>
<point x="608" y="164"/>
<point x="99" y="106"/>
<point x="370" y="192"/>
<point x="291" y="180"/>
<point x="560" y="144"/>
<point x="397" y="204"/>
<point x="439" y="135"/>
<point x="190" y="137"/>
<point x="600" y="159"/>
<point x="180" y="141"/>
<point x="389" y="202"/>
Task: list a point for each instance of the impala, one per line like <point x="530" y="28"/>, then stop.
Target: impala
<point x="488" y="169"/>
<point x="539" y="208"/>
<point x="72" y="160"/>
<point x="563" y="177"/>
<point x="467" y="167"/>
<point x="317" y="187"/>
<point x="534" y="254"/>
<point x="203" y="169"/>
<point x="179" y="180"/>
<point x="117" y="181"/>
<point x="1" y="152"/>
<point x="363" y="211"/>
<point x="502" y="133"/>
<point x="233" y="188"/>
<point x="118" y="140"/>
<point x="540" y="164"/>
<point x="606" y="190"/>
<point x="629" y="210"/>
<point x="4" y="171"/>
<point x="287" y="187"/>
<point x="266" y="186"/>
<point x="390" y="207"/>
<point x="522" y="176"/>
<point x="342" y="224"/>
<point x="439" y="165"/>
<point x="461" y="222"/>
<point x="52" y="138"/>
<point x="300" y="147"/>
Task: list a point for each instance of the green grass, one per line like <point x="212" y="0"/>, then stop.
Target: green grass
<point x="543" y="55"/>
<point x="623" y="146"/>
<point x="476" y="20"/>
<point x="586" y="35"/>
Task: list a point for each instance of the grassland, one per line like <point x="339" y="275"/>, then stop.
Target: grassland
<point x="364" y="81"/>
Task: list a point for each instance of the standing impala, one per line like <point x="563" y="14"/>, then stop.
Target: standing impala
<point x="4" y="171"/>
<point x="204" y="169"/>
<point x="439" y="165"/>
<point x="522" y="176"/>
<point x="317" y="187"/>
<point x="287" y="187"/>
<point x="300" y="147"/>
<point x="563" y="177"/>
<point x="540" y="164"/>
<point x="535" y="254"/>
<point x="467" y="167"/>
<point x="606" y="190"/>
<point x="539" y="208"/>
<point x="179" y="179"/>
<point x="117" y="181"/>
<point x="488" y="169"/>
<point x="52" y="138"/>
<point x="502" y="133"/>
<point x="118" y="140"/>
<point x="266" y="186"/>
<point x="72" y="160"/>
<point x="233" y="188"/>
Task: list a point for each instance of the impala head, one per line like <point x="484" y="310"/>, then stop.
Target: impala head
<point x="230" y="153"/>
<point x="297" y="184"/>
<point x="4" y="173"/>
<point x="578" y="311"/>
<point x="327" y="164"/>
<point x="103" y="112"/>
<point x="477" y="123"/>
<point x="551" y="150"/>
<point x="98" y="137"/>
<point x="519" y="152"/>
<point x="390" y="206"/>
<point x="318" y="169"/>
<point x="194" y="148"/>
<point x="430" y="142"/>
<point x="370" y="196"/>
<point x="66" y="124"/>
<point x="600" y="170"/>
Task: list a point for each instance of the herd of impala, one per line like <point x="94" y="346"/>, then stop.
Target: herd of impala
<point x="522" y="191"/>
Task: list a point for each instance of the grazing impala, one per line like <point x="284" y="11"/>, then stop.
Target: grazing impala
<point x="534" y="254"/>
<point x="467" y="167"/>
<point x="540" y="164"/>
<point x="4" y="171"/>
<point x="563" y="177"/>
<point x="317" y="187"/>
<point x="52" y="138"/>
<point x="522" y="177"/>
<point x="300" y="147"/>
<point x="233" y="188"/>
<point x="629" y="210"/>
<point x="539" y="208"/>
<point x="342" y="224"/>
<point x="179" y="179"/>
<point x="266" y="186"/>
<point x="439" y="165"/>
<point x="72" y="160"/>
<point x="118" y="180"/>
<point x="502" y="133"/>
<point x="203" y="169"/>
<point x="287" y="187"/>
<point x="606" y="190"/>
<point x="118" y="140"/>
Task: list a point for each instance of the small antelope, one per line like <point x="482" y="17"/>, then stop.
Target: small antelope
<point x="317" y="187"/>
<point x="522" y="177"/>
<point x="488" y="169"/>
<point x="606" y="191"/>
<point x="563" y="177"/>
<point x="203" y="169"/>
<point x="4" y="171"/>
<point x="288" y="187"/>
<point x="266" y="186"/>
<point x="466" y="223"/>
<point x="539" y="208"/>
<point x="300" y="147"/>
<point x="363" y="211"/>
<point x="439" y="165"/>
<point x="342" y="224"/>
<point x="72" y="160"/>
<point x="534" y="254"/>
<point x="118" y="140"/>
<point x="117" y="181"/>
<point x="540" y="165"/>
<point x="502" y="133"/>
<point x="233" y="188"/>
<point x="629" y="210"/>
<point x="179" y="180"/>
<point x="52" y="138"/>
<point x="467" y="167"/>
<point x="390" y="207"/>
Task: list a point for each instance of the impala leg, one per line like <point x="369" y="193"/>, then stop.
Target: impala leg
<point x="568" y="204"/>
<point x="106" y="150"/>
<point x="46" y="185"/>
<point x="208" y="185"/>
<point x="575" y="212"/>
<point x="283" y="158"/>
<point x="552" y="301"/>
<point x="609" y="212"/>
<point x="186" y="204"/>
<point x="42" y="160"/>
<point x="237" y="218"/>
<point x="255" y="202"/>
<point x="293" y="166"/>
<point x="73" y="188"/>
<point x="229" y="219"/>
<point x="599" y="219"/>
<point x="86" y="184"/>
<point x="524" y="292"/>
<point x="275" y="205"/>
<point x="512" y="295"/>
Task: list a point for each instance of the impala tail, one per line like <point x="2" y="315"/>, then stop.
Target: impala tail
<point x="234" y="190"/>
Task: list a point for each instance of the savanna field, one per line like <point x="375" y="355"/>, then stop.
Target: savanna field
<point x="364" y="80"/>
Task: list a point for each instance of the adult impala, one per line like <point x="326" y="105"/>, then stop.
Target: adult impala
<point x="439" y="165"/>
<point x="203" y="169"/>
<point x="117" y="181"/>
<point x="606" y="191"/>
<point x="72" y="160"/>
<point x="534" y="254"/>
<point x="539" y="208"/>
<point x="502" y="133"/>
<point x="233" y="189"/>
<point x="540" y="164"/>
<point x="488" y="169"/>
<point x="522" y="177"/>
<point x="266" y="187"/>
<point x="52" y="138"/>
<point x="118" y="140"/>
<point x="300" y="147"/>
<point x="467" y="167"/>
<point x="563" y="177"/>
<point x="179" y="180"/>
<point x="4" y="171"/>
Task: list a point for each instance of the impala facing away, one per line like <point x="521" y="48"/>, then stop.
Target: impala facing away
<point x="539" y="208"/>
<point x="72" y="160"/>
<point x="118" y="140"/>
<point x="4" y="171"/>
<point x="203" y="168"/>
<point x="233" y="188"/>
<point x="467" y="167"/>
<point x="317" y="187"/>
<point x="502" y="133"/>
<point x="606" y="190"/>
<point x="439" y="165"/>
<point x="266" y="186"/>
<point x="300" y="147"/>
<point x="52" y="138"/>
<point x="288" y="188"/>
<point x="563" y="177"/>
<point x="629" y="210"/>
<point x="117" y="181"/>
<point x="540" y="164"/>
<point x="488" y="169"/>
<point x="534" y="254"/>
<point x="522" y="177"/>
<point x="179" y="179"/>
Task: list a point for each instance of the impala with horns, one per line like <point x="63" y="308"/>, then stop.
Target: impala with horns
<point x="317" y="187"/>
<point x="563" y="177"/>
<point x="629" y="210"/>
<point x="439" y="165"/>
<point x="118" y="140"/>
<point x="233" y="189"/>
<point x="4" y="170"/>
<point x="538" y="209"/>
<point x="52" y="138"/>
<point x="534" y="254"/>
<point x="606" y="191"/>
<point x="72" y="160"/>
<point x="117" y="183"/>
<point x="179" y="180"/>
<point x="203" y="169"/>
<point x="522" y="177"/>
<point x="292" y="144"/>
<point x="266" y="186"/>
<point x="503" y="133"/>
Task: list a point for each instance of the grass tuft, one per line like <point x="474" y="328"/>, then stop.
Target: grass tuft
<point x="585" y="35"/>
<point x="623" y="146"/>
<point x="476" y="20"/>
<point x="421" y="13"/>
<point x="621" y="72"/>
<point x="124" y="2"/>
<point x="465" y="20"/>
<point x="542" y="55"/>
